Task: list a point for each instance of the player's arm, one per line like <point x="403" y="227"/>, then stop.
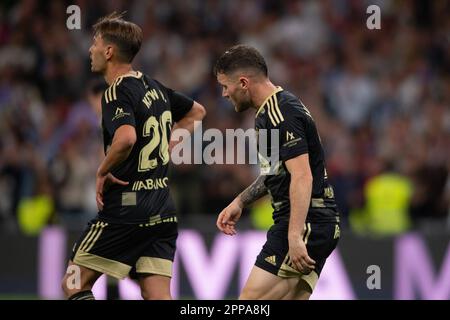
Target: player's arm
<point x="118" y="119"/>
<point x="227" y="219"/>
<point x="252" y="193"/>
<point x="121" y="146"/>
<point x="191" y="118"/>
<point x="294" y="153"/>
<point x="300" y="189"/>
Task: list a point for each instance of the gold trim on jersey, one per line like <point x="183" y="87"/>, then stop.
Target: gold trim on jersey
<point x="311" y="279"/>
<point x="275" y="108"/>
<point x="274" y="111"/>
<point x="92" y="236"/>
<point x="287" y="271"/>
<point x="308" y="232"/>
<point x="112" y="268"/>
<point x="102" y="226"/>
<point x="110" y="93"/>
<point x="317" y="203"/>
<point x="278" y="89"/>
<point x="271" y="114"/>
<point x="154" y="220"/>
<point x="154" y="266"/>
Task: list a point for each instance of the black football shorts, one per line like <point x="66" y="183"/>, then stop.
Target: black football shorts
<point x="320" y="239"/>
<point x="120" y="249"/>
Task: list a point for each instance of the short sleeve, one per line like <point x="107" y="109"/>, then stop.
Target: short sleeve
<point x="117" y="108"/>
<point x="180" y="104"/>
<point x="292" y="136"/>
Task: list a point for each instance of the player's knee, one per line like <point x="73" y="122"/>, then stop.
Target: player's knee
<point x="70" y="287"/>
<point x="64" y="286"/>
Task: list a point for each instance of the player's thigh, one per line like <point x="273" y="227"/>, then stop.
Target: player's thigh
<point x="155" y="287"/>
<point x="78" y="278"/>
<point x="303" y="291"/>
<point x="157" y="250"/>
<point x="262" y="284"/>
<point x="153" y="269"/>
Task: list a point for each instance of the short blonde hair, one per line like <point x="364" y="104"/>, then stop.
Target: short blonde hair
<point x="126" y="35"/>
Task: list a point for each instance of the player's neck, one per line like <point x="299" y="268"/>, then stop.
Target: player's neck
<point x="262" y="91"/>
<point x="116" y="70"/>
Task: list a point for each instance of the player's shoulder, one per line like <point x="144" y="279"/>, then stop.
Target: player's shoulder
<point x="292" y="107"/>
<point x="127" y="85"/>
<point x="288" y="102"/>
<point x="282" y="105"/>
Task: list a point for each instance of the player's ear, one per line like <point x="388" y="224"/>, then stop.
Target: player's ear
<point x="244" y="82"/>
<point x="109" y="50"/>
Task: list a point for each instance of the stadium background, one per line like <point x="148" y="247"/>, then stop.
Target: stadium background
<point x="380" y="98"/>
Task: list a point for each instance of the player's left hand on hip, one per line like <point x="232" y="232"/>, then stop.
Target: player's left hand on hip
<point x="299" y="256"/>
<point x="110" y="179"/>
<point x="102" y="184"/>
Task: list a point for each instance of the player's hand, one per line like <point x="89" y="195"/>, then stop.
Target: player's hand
<point x="102" y="183"/>
<point x="228" y="217"/>
<point x="299" y="256"/>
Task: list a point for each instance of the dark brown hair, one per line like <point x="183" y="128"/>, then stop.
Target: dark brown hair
<point x="240" y="57"/>
<point x="126" y="35"/>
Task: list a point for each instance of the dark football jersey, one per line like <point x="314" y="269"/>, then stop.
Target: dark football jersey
<point x="151" y="108"/>
<point x="290" y="131"/>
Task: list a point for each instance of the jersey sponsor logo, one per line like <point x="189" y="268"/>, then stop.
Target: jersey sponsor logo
<point x="151" y="184"/>
<point x="119" y="111"/>
<point x="120" y="114"/>
<point x="291" y="140"/>
<point x="289" y="136"/>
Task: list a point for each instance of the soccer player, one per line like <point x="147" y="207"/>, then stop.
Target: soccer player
<point x="135" y="231"/>
<point x="306" y="220"/>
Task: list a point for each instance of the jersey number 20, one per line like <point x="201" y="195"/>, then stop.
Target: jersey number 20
<point x="158" y="131"/>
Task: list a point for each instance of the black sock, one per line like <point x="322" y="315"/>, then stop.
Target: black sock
<point x="82" y="295"/>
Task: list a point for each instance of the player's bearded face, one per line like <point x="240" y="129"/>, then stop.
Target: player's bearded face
<point x="96" y="51"/>
<point x="239" y="97"/>
<point x="241" y="100"/>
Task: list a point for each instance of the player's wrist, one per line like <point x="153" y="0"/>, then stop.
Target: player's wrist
<point x="295" y="235"/>
<point x="101" y="173"/>
<point x="238" y="202"/>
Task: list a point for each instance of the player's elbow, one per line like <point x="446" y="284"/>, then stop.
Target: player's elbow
<point x="198" y="111"/>
<point x="128" y="141"/>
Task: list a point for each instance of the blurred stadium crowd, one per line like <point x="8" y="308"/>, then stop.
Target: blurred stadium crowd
<point x="381" y="99"/>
